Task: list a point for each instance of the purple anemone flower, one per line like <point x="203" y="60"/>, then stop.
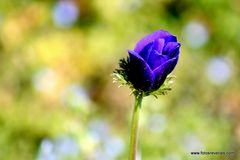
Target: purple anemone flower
<point x="153" y="58"/>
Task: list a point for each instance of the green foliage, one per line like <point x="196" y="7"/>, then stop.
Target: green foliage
<point x="34" y="109"/>
<point x="121" y="74"/>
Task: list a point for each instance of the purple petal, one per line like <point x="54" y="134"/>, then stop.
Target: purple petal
<point x="153" y="36"/>
<point x="155" y="59"/>
<point x="171" y="49"/>
<point x="162" y="71"/>
<point x="146" y="51"/>
<point x="170" y="39"/>
<point x="141" y="76"/>
<point x="158" y="45"/>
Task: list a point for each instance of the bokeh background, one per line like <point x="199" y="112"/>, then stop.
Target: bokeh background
<point x="57" y="99"/>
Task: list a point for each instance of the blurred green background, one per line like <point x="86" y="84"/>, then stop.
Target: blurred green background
<point x="57" y="99"/>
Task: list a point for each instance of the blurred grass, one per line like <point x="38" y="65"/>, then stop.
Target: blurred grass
<point x="41" y="59"/>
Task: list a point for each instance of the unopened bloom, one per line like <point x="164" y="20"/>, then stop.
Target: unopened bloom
<point x="153" y="58"/>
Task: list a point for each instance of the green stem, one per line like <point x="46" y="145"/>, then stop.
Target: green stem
<point x="135" y="127"/>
